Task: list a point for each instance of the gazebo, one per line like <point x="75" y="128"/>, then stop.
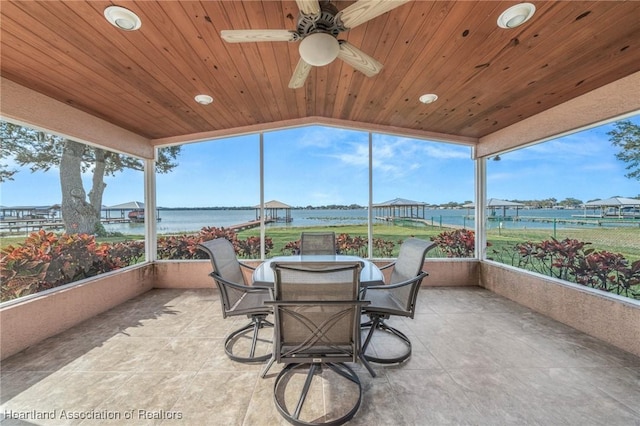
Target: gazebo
<point x="616" y="206"/>
<point x="271" y="209"/>
<point x="494" y="203"/>
<point x="399" y="208"/>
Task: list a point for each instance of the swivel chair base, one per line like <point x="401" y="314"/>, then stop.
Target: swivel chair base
<point x="296" y="414"/>
<point x="257" y="322"/>
<point x="377" y="323"/>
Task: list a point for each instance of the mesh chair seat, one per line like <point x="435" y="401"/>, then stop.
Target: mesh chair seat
<point x="384" y="302"/>
<point x="252" y="303"/>
<point x="238" y="298"/>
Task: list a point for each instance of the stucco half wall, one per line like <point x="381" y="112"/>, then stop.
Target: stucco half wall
<point x="195" y="273"/>
<point x="27" y="322"/>
<point x="613" y="319"/>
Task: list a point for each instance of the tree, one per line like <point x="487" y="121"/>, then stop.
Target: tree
<point x="626" y="136"/>
<point x="80" y="211"/>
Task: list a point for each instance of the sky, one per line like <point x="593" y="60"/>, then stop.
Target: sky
<point x="320" y="166"/>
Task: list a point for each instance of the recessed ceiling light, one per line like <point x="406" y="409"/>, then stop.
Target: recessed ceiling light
<point x="203" y="99"/>
<point x="122" y="18"/>
<point x="428" y="98"/>
<point x="516" y="15"/>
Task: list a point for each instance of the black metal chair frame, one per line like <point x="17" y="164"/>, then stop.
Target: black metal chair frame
<point x="257" y="315"/>
<point x="379" y="313"/>
<point x="315" y="352"/>
<point x="251" y="304"/>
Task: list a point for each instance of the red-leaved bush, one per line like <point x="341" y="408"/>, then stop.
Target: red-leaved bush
<point x="457" y="243"/>
<point x="46" y="260"/>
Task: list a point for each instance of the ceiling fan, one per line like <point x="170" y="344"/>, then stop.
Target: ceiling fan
<point x="319" y="24"/>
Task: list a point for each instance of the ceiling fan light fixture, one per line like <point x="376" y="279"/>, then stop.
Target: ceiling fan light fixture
<point x="319" y="49"/>
<point x="428" y="98"/>
<point x="516" y="15"/>
<point x="203" y="99"/>
<point x="122" y="18"/>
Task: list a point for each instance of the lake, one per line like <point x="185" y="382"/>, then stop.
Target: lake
<point x="189" y="221"/>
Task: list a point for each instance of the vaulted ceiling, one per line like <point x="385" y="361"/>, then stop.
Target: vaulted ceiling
<point x="486" y="77"/>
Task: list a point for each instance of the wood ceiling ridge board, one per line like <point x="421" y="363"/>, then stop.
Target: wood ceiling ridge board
<point x="69" y="78"/>
<point x="177" y="64"/>
<point x="96" y="71"/>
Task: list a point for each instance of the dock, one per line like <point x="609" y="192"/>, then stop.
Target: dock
<point x="248" y="225"/>
<point x="10" y="226"/>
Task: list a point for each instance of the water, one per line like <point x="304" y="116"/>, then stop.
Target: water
<point x="190" y="221"/>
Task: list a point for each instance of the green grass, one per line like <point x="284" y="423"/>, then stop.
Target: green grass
<point x="625" y="241"/>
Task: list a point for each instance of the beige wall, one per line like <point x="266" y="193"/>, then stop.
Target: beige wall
<point x="28" y="107"/>
<point x="195" y="273"/>
<point x="614" y="319"/>
<point x="28" y="322"/>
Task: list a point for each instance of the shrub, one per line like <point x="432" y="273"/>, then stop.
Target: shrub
<point x="46" y="260"/>
<point x="457" y="243"/>
<point x="572" y="260"/>
<point x="186" y="246"/>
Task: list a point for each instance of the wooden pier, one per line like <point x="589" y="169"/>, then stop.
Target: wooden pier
<point x="248" y="225"/>
<point x="17" y="226"/>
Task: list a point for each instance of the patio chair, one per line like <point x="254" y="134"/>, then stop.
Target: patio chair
<point x="238" y="298"/>
<point x="317" y="243"/>
<point x="317" y="330"/>
<point x="398" y="298"/>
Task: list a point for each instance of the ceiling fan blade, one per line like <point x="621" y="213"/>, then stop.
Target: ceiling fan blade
<point x="364" y="10"/>
<point x="358" y="59"/>
<point x="299" y="75"/>
<point x="309" y="7"/>
<point x="242" y="36"/>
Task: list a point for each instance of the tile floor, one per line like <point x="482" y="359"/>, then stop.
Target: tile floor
<point x="478" y="359"/>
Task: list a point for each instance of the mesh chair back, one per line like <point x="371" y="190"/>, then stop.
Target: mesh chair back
<point x="408" y="265"/>
<point x="317" y="312"/>
<point x="225" y="265"/>
<point x="320" y="243"/>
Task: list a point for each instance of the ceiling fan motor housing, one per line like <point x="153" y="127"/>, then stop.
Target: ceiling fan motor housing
<point x="326" y="22"/>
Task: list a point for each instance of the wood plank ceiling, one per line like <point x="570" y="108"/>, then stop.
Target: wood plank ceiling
<point x="486" y="77"/>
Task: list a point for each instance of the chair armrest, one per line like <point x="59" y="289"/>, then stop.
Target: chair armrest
<point x="387" y="266"/>
<point x="413" y="280"/>
<point x="316" y="302"/>
<point x="247" y="266"/>
<point x="241" y="287"/>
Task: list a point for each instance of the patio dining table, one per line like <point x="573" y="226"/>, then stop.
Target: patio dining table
<point x="369" y="275"/>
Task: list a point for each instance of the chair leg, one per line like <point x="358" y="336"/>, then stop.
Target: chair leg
<point x="257" y="322"/>
<point x="295" y="416"/>
<point x="267" y="367"/>
<point x="377" y="323"/>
